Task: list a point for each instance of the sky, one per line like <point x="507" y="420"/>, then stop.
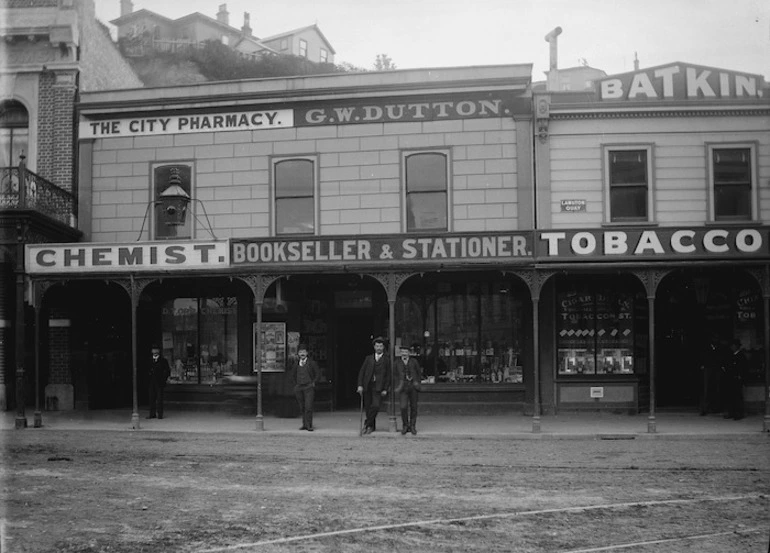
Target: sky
<point x="605" y="34"/>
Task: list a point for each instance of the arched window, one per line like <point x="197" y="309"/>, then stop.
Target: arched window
<point x="14" y="132"/>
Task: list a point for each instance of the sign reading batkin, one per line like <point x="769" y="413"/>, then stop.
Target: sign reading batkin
<point x="125" y="258"/>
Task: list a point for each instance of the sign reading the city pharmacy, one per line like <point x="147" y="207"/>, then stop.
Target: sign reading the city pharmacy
<point x="680" y="82"/>
<point x="186" y="124"/>
<point x="450" y="247"/>
<point x="658" y="243"/>
<point x="125" y="258"/>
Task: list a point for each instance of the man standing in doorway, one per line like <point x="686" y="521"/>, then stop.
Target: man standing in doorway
<point x="373" y="382"/>
<point x="735" y="373"/>
<point x="305" y="373"/>
<point x="159" y="372"/>
<point x="407" y="372"/>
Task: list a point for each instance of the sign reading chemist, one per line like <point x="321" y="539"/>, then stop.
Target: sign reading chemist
<point x="125" y="258"/>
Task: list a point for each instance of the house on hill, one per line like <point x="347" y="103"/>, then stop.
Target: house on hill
<point x="144" y="30"/>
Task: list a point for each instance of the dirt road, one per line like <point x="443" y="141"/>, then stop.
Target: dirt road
<point x="90" y="491"/>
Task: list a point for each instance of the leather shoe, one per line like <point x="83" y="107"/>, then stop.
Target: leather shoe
<point x="404" y="430"/>
<point x="368" y="430"/>
<point x="303" y="427"/>
<point x="151" y="417"/>
<point x="414" y="430"/>
<point x="309" y="428"/>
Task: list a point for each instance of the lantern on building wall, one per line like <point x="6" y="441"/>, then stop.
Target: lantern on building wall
<point x="174" y="200"/>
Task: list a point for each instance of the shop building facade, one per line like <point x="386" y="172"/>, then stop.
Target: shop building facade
<point x="653" y="188"/>
<point x="536" y="251"/>
<point x="326" y="210"/>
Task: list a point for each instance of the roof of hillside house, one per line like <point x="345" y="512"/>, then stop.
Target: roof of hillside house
<point x="313" y="27"/>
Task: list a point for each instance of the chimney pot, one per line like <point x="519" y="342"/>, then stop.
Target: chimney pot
<point x="223" y="16"/>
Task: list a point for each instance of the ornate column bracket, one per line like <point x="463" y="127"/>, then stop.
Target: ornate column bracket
<point x="134" y="287"/>
<point x="534" y="279"/>
<point x="259" y="284"/>
<point x="650" y="279"/>
<point x="391" y="282"/>
<point x="542" y="118"/>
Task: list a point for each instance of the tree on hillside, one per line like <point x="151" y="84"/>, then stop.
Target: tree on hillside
<point x="384" y="63"/>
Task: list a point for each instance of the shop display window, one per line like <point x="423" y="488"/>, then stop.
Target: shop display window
<point x="200" y="339"/>
<point x="462" y="332"/>
<point x="595" y="330"/>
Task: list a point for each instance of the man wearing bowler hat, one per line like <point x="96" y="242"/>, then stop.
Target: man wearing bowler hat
<point x="373" y="382"/>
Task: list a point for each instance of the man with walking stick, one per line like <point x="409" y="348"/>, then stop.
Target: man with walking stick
<point x="373" y="383"/>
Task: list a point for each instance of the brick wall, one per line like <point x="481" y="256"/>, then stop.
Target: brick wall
<point x="56" y="128"/>
<point x="60" y="349"/>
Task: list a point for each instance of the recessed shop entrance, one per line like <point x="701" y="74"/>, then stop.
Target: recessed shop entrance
<point x="353" y="342"/>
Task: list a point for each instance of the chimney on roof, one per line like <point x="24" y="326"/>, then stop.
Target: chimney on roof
<point x="223" y="16"/>
<point x="636" y="62"/>
<point x="246" y="29"/>
<point x="553" y="72"/>
<point x="126" y="7"/>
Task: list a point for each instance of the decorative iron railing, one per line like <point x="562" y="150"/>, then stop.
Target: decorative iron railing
<point x="37" y="193"/>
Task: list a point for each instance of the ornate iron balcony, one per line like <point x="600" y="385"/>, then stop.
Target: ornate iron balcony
<point x="37" y="194"/>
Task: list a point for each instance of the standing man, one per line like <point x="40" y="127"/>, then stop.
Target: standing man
<point x="304" y="373"/>
<point x="712" y="367"/>
<point x="407" y="372"/>
<point x="373" y="382"/>
<point x="737" y="367"/>
<point x="159" y="372"/>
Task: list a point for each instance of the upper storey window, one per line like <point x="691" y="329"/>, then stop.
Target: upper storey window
<point x="426" y="191"/>
<point x="303" y="48"/>
<point x="14" y="133"/>
<point x="628" y="183"/>
<point x="294" y="196"/>
<point x="732" y="177"/>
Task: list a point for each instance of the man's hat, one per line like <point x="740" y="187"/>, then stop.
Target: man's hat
<point x="378" y="339"/>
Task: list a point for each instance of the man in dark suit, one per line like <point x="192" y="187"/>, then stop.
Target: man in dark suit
<point x="159" y="372"/>
<point x="373" y="382"/>
<point x="304" y="373"/>
<point x="407" y="380"/>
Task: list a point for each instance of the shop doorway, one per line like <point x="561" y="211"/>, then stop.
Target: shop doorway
<point x="353" y="342"/>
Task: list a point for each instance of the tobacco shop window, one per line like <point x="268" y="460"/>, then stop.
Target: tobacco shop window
<point x="294" y="196"/>
<point x="732" y="175"/>
<point x="426" y="177"/>
<point x="595" y="323"/>
<point x="14" y="133"/>
<point x="463" y="330"/>
<point x="172" y="219"/>
<point x="628" y="170"/>
<point x="200" y="338"/>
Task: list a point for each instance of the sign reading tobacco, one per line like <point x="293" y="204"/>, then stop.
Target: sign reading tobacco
<point x="662" y="243"/>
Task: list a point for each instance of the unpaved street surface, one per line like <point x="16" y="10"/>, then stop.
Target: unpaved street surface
<point x="130" y="492"/>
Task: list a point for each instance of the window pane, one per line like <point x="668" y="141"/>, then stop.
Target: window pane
<point x="732" y="202"/>
<point x="426" y="211"/>
<point x="628" y="167"/>
<point x="294" y="216"/>
<point x="629" y="203"/>
<point x="732" y="165"/>
<point x="294" y="178"/>
<point x="576" y="334"/>
<point x="426" y="172"/>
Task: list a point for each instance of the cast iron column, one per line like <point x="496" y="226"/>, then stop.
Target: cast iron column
<point x="38" y="301"/>
<point x="766" y="297"/>
<point x="392" y="348"/>
<point x="260" y="421"/>
<point x="536" y="360"/>
<point x="21" y="416"/>
<point x="651" y="423"/>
